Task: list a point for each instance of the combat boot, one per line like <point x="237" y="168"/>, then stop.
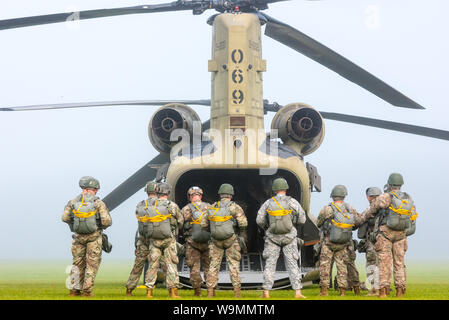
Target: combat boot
<point x="266" y="294"/>
<point x="197" y="292"/>
<point x="399" y="292"/>
<point x="298" y="295"/>
<point x="373" y="292"/>
<point x="149" y="293"/>
<point x="383" y="292"/>
<point x="74" y="293"/>
<point x="87" y="294"/>
<point x="173" y="293"/>
<point x="324" y="292"/>
<point x="210" y="292"/>
<point x="129" y="292"/>
<point x="342" y="292"/>
<point x="237" y="293"/>
<point x="357" y="290"/>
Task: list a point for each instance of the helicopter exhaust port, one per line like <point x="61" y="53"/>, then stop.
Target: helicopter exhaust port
<point x="166" y="120"/>
<point x="299" y="126"/>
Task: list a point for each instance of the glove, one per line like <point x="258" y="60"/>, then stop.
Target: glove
<point x="106" y="246"/>
<point x="300" y="242"/>
<point x="243" y="240"/>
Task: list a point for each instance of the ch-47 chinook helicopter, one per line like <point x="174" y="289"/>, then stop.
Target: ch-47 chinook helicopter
<point x="232" y="146"/>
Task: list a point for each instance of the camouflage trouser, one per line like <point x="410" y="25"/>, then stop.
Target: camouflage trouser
<point x="390" y="247"/>
<point x="162" y="248"/>
<point x="372" y="269"/>
<point x="339" y="253"/>
<point x="86" y="251"/>
<point x="197" y="254"/>
<point x="291" y="255"/>
<point x="231" y="248"/>
<point x="353" y="274"/>
<point x="142" y="251"/>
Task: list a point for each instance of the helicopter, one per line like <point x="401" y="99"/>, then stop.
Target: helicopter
<point x="228" y="103"/>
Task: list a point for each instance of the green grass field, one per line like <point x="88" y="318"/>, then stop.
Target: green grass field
<point x="30" y="280"/>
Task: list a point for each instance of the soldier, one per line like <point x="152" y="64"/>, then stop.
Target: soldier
<point x="143" y="243"/>
<point x="366" y="245"/>
<point x="396" y="210"/>
<point x="336" y="221"/>
<point x="86" y="216"/>
<point x="197" y="239"/>
<point x="163" y="219"/>
<point x="279" y="217"/>
<point x="223" y="217"/>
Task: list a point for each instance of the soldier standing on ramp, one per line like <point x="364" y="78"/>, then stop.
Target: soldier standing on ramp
<point x="222" y="217"/>
<point x="163" y="218"/>
<point x="197" y="240"/>
<point x="279" y="217"/>
<point x="397" y="214"/>
<point x="143" y="243"/>
<point x="86" y="215"/>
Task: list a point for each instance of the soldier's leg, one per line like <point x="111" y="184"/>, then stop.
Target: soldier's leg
<point x="385" y="257"/>
<point x="171" y="261"/>
<point x="78" y="265"/>
<point x="233" y="257"/>
<point x="398" y="263"/>
<point x="291" y="256"/>
<point x="270" y="253"/>
<point x="154" y="258"/>
<point x="326" y="257"/>
<point x="341" y="260"/>
<point x="193" y="260"/>
<point x="205" y="262"/>
<point x="141" y="253"/>
<point x="353" y="273"/>
<point x="216" y="255"/>
<point x="372" y="269"/>
<point x="93" y="260"/>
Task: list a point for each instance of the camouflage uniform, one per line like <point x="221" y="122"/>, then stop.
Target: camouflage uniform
<point x="86" y="248"/>
<point x="353" y="274"/>
<point x="196" y="253"/>
<point x="334" y="252"/>
<point x="390" y="247"/>
<point x="229" y="246"/>
<point x="372" y="262"/>
<point x="287" y="242"/>
<point x="142" y="251"/>
<point x="166" y="249"/>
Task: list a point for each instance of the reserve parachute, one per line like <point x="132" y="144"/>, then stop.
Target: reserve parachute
<point x="85" y="214"/>
<point x="341" y="225"/>
<point x="221" y="221"/>
<point x="280" y="219"/>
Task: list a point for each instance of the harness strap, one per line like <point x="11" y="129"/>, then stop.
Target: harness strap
<point x="81" y="214"/>
<point x="342" y="225"/>
<point x="278" y="213"/>
<point x="400" y="210"/>
<point x="338" y="208"/>
<point x="159" y="218"/>
<point x="218" y="219"/>
<point x="197" y="221"/>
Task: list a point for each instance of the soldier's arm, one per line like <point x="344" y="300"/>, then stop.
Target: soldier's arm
<point x="105" y="217"/>
<point x="261" y="218"/>
<point x="381" y="202"/>
<point x="205" y="222"/>
<point x="325" y="214"/>
<point x="66" y="215"/>
<point x="238" y="214"/>
<point x="298" y="210"/>
<point x="186" y="213"/>
<point x="176" y="212"/>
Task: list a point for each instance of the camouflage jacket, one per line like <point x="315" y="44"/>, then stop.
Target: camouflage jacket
<point x="327" y="213"/>
<point x="177" y="216"/>
<point x="236" y="212"/>
<point x="105" y="217"/>
<point x="299" y="216"/>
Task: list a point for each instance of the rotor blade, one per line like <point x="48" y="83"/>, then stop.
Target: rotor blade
<point x="311" y="48"/>
<point x="138" y="180"/>
<point x="135" y="182"/>
<point x="91" y="14"/>
<point x="389" y="125"/>
<point x="204" y="102"/>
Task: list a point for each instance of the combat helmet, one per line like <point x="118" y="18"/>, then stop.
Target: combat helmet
<point x="395" y="179"/>
<point x="194" y="190"/>
<point x="163" y="188"/>
<point x="151" y="187"/>
<point x="373" y="191"/>
<point x="88" y="182"/>
<point x="279" y="184"/>
<point x="339" y="191"/>
<point x="226" y="188"/>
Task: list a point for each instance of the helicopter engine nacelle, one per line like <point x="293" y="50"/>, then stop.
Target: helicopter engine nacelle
<point x="300" y="126"/>
<point x="166" y="120"/>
